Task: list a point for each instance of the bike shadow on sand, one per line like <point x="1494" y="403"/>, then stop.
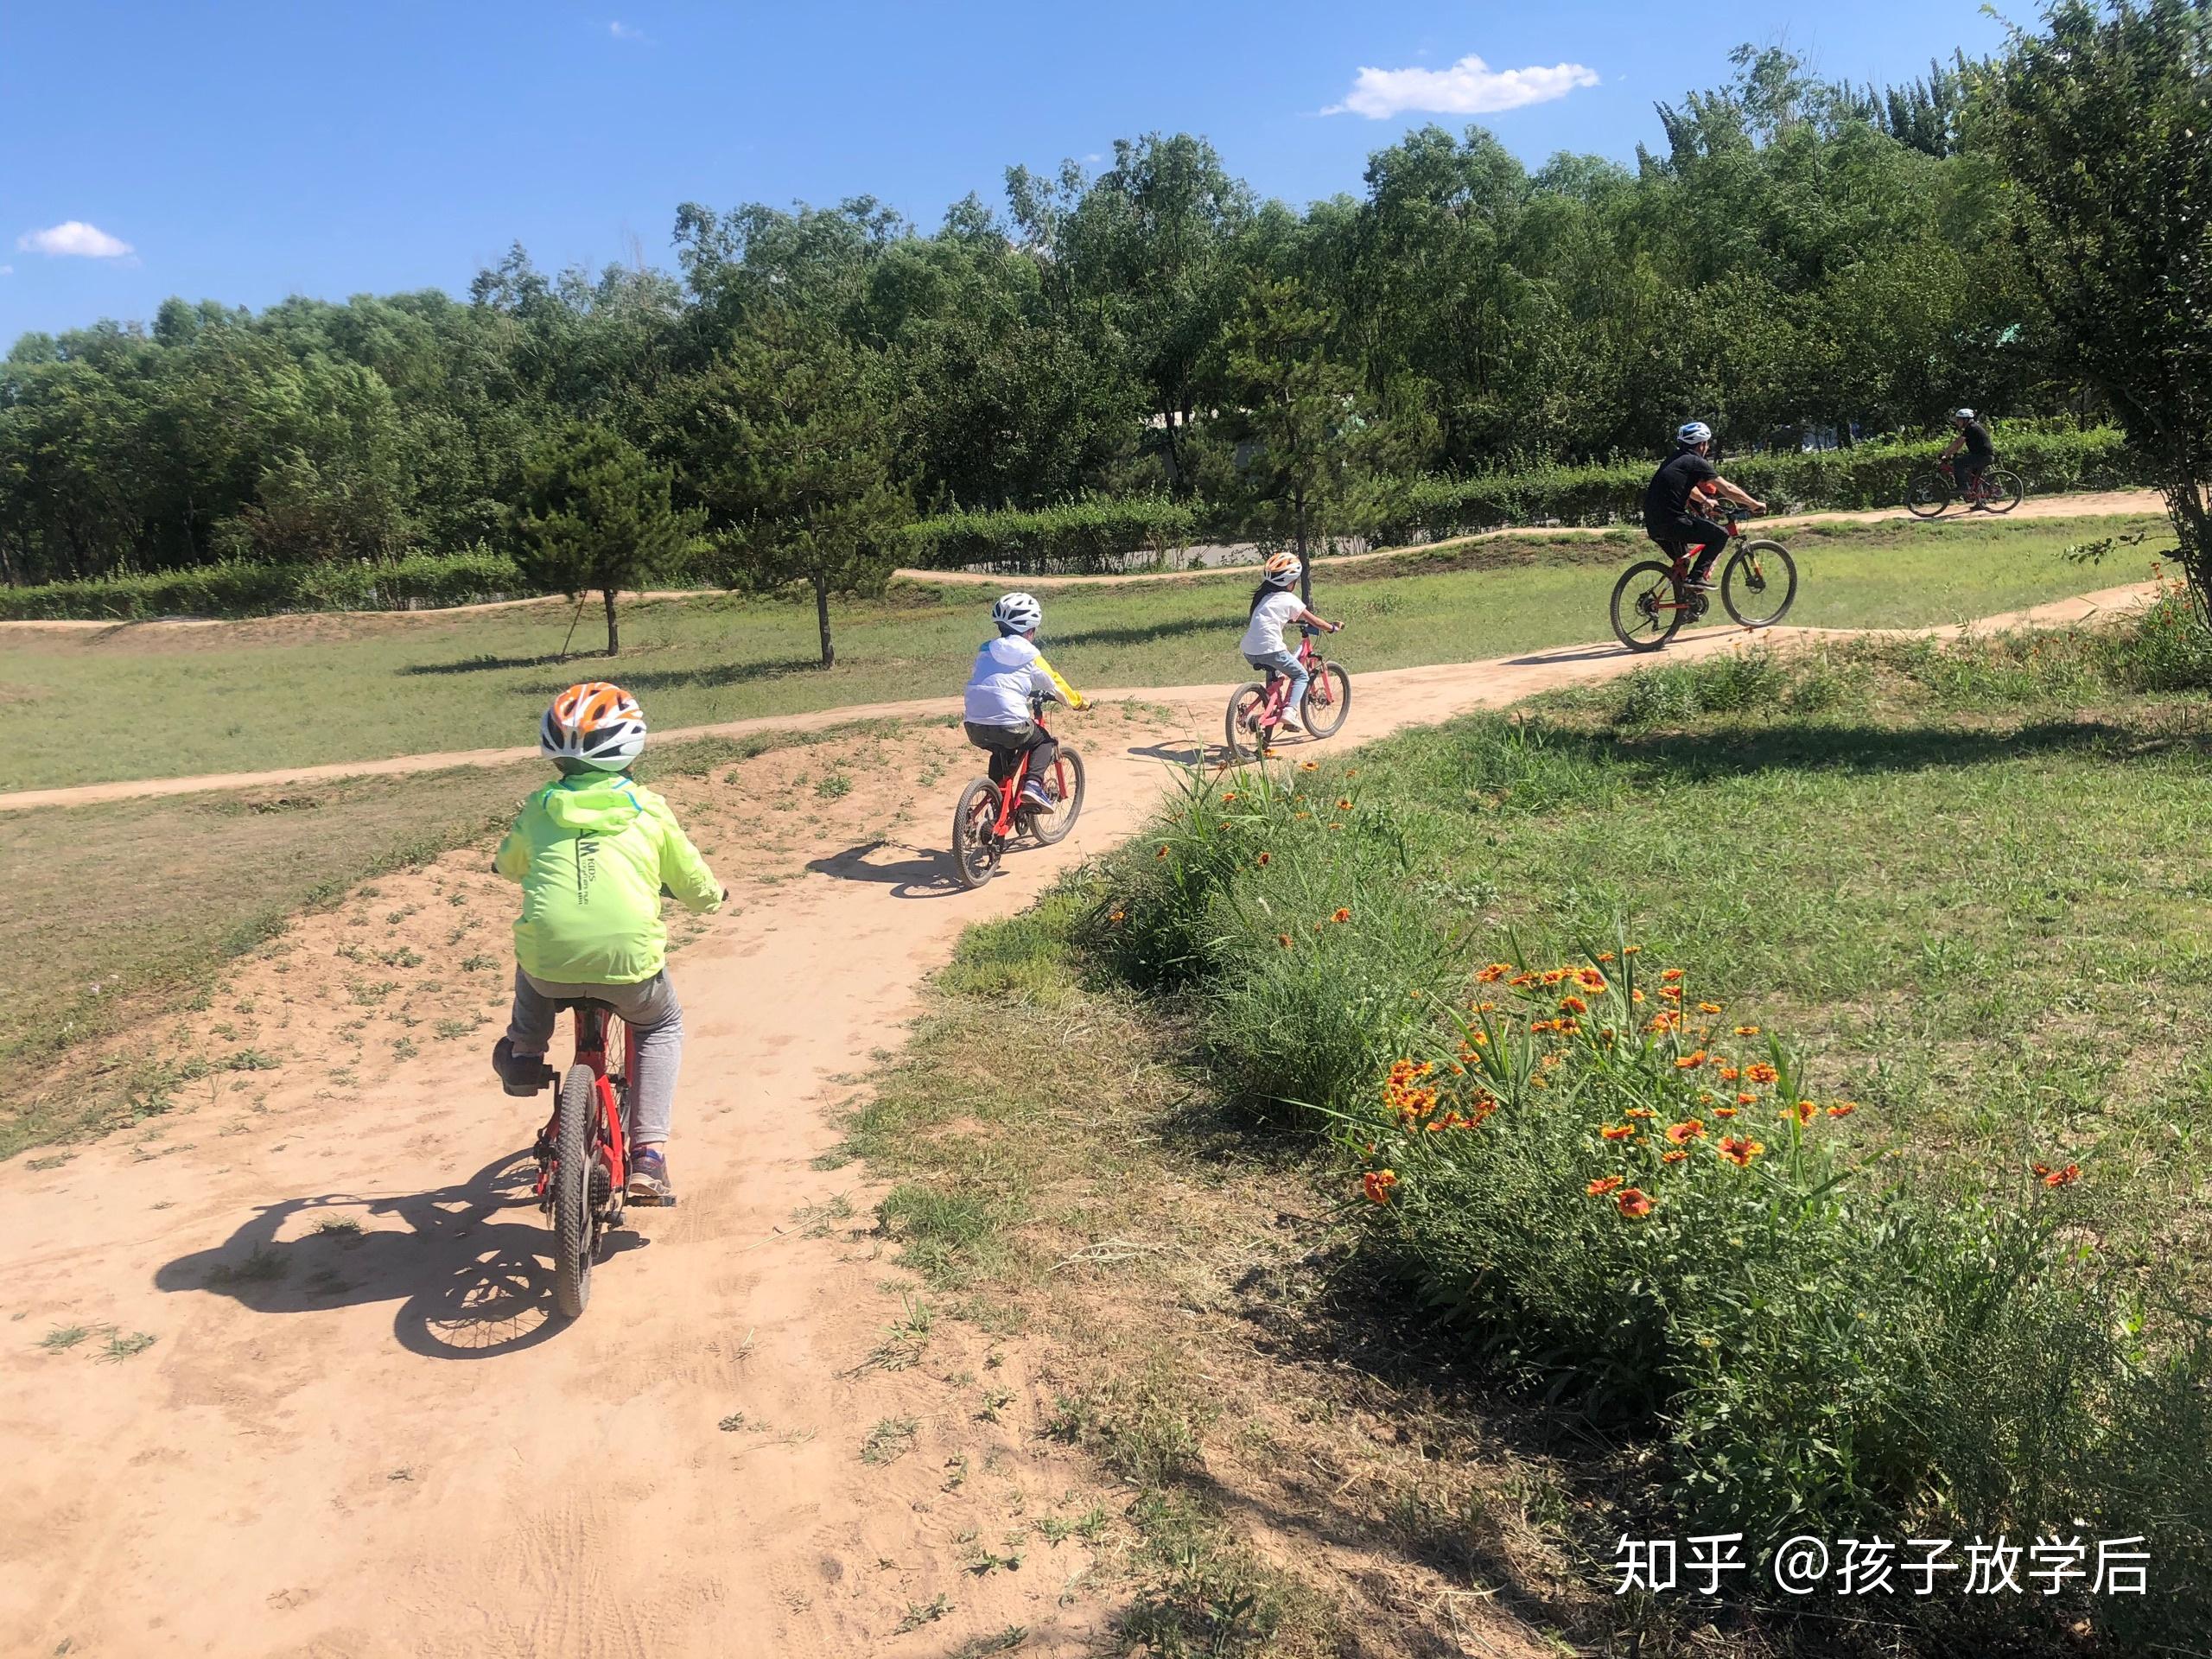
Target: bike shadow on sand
<point x="928" y="875"/>
<point x="471" y="1268"/>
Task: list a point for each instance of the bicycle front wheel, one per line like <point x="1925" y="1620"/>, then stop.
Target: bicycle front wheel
<point x="974" y="848"/>
<point x="2005" y="490"/>
<point x="573" y="1146"/>
<point x="1328" y="700"/>
<point x="1759" y="583"/>
<point x="1241" y="730"/>
<point x="1063" y="783"/>
<point x="1646" y="611"/>
<point x="1927" y="495"/>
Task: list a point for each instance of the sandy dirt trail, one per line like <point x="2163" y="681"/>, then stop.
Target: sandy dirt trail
<point x="358" y="1433"/>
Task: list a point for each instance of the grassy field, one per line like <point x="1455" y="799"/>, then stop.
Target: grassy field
<point x="1967" y="887"/>
<point x="299" y="690"/>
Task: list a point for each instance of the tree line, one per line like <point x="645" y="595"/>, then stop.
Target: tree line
<point x="1795" y="255"/>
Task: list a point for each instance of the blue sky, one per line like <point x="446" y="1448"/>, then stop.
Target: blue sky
<point x="244" y="151"/>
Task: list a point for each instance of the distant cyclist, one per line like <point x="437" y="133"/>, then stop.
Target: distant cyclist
<point x="1979" y="456"/>
<point x="998" y="708"/>
<point x="1675" y="500"/>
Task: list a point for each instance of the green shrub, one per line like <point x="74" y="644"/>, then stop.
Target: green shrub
<point x="238" y="588"/>
<point x="1089" y="536"/>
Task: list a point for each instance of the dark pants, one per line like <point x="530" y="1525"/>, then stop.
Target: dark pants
<point x="1687" y="532"/>
<point x="1971" y="468"/>
<point x="1003" y="743"/>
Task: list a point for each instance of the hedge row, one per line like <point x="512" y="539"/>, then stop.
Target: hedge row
<point x="1077" y="537"/>
<point x="238" y="588"/>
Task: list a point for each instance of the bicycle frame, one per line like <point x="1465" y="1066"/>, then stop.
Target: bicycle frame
<point x="1010" y="785"/>
<point x="591" y="1051"/>
<point x="1271" y="711"/>
<point x="1679" y="571"/>
<point x="1977" y="490"/>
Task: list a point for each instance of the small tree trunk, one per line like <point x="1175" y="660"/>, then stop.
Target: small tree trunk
<point x="613" y="635"/>
<point x="1304" y="558"/>
<point x="822" y="616"/>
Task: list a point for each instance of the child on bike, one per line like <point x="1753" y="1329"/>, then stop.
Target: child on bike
<point x="593" y="850"/>
<point x="998" y="708"/>
<point x="1275" y="608"/>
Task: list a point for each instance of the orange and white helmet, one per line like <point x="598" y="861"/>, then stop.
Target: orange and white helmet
<point x="1281" y="570"/>
<point x="594" y="724"/>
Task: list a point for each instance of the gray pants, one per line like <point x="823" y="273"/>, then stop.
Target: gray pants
<point x="649" y="1008"/>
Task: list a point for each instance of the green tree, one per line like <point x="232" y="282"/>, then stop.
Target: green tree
<point x="790" y="446"/>
<point x="2104" y="126"/>
<point x="595" y="517"/>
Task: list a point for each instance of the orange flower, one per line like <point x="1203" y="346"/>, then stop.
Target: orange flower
<point x="1603" y="1185"/>
<point x="1747" y="1031"/>
<point x="1708" y="1007"/>
<point x="1309" y="765"/>
<point x="1672" y="992"/>
<point x="1843" y="1109"/>
<point x="1377" y="1184"/>
<point x="1639" y="1113"/>
<point x="1575" y="1005"/>
<point x="1604" y="956"/>
<point x="1674" y="1157"/>
<point x="1685" y="1132"/>
<point x="1689" y="1062"/>
<point x="1302" y="815"/>
<point x="1633" y="1204"/>
<point x="1761" y="1072"/>
<point x="1228" y="796"/>
<point x="1553" y="975"/>
<point x="1635" y="996"/>
<point x="1343" y="803"/>
<point x="1283" y="939"/>
<point x="1117" y="917"/>
<point x="1264" y="860"/>
<point x="1631" y="950"/>
<point x="1492" y="973"/>
<point x="2065" y="1177"/>
<point x="1670" y="976"/>
<point x="1616" y="1131"/>
<point x="1162" y="852"/>
<point x="1724" y="1111"/>
<point x="1739" y="1150"/>
<point x="1803" y="1111"/>
<point x="1342" y="915"/>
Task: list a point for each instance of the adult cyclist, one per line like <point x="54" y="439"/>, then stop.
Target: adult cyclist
<point x="1979" y="454"/>
<point x="1673" y="500"/>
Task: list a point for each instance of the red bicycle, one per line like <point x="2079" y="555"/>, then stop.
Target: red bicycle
<point x="1931" y="494"/>
<point x="1256" y="707"/>
<point x="582" y="1152"/>
<point x="992" y="814"/>
<point x="1652" y="601"/>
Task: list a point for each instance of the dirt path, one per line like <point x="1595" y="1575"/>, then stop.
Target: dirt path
<point x="355" y="1431"/>
<point x="1500" y="670"/>
<point x="2086" y="503"/>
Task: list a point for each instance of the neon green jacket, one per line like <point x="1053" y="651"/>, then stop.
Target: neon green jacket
<point x="592" y="853"/>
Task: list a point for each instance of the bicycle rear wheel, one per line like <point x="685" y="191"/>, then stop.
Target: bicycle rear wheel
<point x="974" y="848"/>
<point x="574" y="1144"/>
<point x="2004" y="490"/>
<point x="1646" y="611"/>
<point x="1759" y="583"/>
<point x="1328" y="700"/>
<point x="1927" y="495"/>
<point x="1245" y="741"/>
<point x="1063" y="783"/>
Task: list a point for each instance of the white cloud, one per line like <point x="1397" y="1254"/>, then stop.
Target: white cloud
<point x="73" y="237"/>
<point x="1468" y="87"/>
<point x="622" y="31"/>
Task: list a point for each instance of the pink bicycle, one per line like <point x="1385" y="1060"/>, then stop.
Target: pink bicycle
<point x="1256" y="707"/>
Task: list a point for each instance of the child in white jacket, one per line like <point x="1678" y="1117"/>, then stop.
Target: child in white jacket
<point x="998" y="709"/>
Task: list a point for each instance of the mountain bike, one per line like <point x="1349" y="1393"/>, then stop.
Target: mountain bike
<point x="1758" y="581"/>
<point x="582" y="1153"/>
<point x="992" y="814"/>
<point x="1256" y="707"/>
<point x="1930" y="495"/>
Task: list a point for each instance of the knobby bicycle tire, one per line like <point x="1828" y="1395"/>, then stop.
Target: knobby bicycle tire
<point x="2004" y="488"/>
<point x="973" y="855"/>
<point x="1244" y="743"/>
<point x="1335" y="686"/>
<point x="575" y="1141"/>
<point x="1654" y="627"/>
<point x="1759" y="584"/>
<point x="1049" y="829"/>
<point x="1927" y="495"/>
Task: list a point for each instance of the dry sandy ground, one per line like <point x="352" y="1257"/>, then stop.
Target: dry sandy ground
<point x="2080" y="505"/>
<point x="356" y="1432"/>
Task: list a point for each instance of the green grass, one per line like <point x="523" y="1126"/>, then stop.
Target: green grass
<point x="296" y="691"/>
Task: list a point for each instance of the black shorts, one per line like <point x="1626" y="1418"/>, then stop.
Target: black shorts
<point x="1688" y="533"/>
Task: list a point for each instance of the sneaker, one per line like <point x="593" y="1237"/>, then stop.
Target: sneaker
<point x="522" y="1074"/>
<point x="1288" y="721"/>
<point x="649" y="1182"/>
<point x="1034" y="796"/>
<point x="1700" y="582"/>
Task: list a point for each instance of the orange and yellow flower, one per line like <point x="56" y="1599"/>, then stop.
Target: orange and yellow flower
<point x="1342" y="914"/>
<point x="1605" y="1185"/>
<point x="1377" y="1184"/>
<point x="1674" y="1157"/>
<point x="1843" y="1109"/>
<point x="1739" y="1150"/>
<point x="1761" y="1072"/>
<point x="1686" y="1131"/>
<point x="1804" y="1111"/>
<point x="1633" y="1203"/>
<point x="1616" y="1131"/>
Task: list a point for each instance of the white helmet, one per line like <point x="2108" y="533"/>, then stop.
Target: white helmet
<point x="595" y="725"/>
<point x="1017" y="614"/>
<point x="1962" y="414"/>
<point x="1693" y="432"/>
<point x="1281" y="570"/>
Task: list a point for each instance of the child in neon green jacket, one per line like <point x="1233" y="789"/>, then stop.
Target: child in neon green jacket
<point x="593" y="851"/>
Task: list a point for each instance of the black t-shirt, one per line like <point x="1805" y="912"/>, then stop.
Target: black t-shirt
<point x="1978" y="445"/>
<point x="1667" y="500"/>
